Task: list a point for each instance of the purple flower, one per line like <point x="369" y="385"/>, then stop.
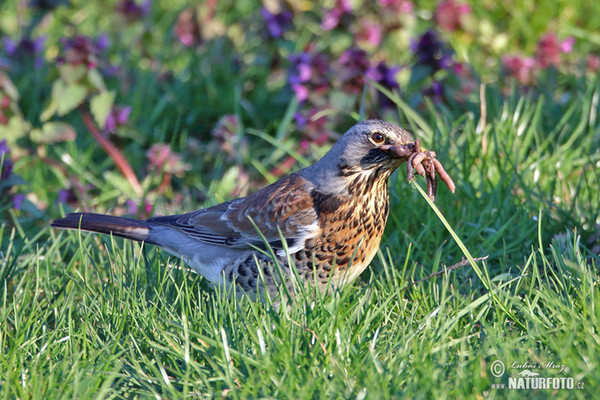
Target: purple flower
<point x="123" y="115"/>
<point x="353" y="63"/>
<point x="333" y="17"/>
<point x="9" y="45"/>
<point x="132" y="207"/>
<point x="450" y="14"/>
<point x="309" y="72"/>
<point x="431" y="52"/>
<point x="118" y="116"/>
<point x="314" y="129"/>
<point x="435" y="92"/>
<point x="102" y="42"/>
<point x="67" y="196"/>
<point x="277" y="24"/>
<point x="82" y="50"/>
<point x="6" y="166"/>
<point x="18" y="201"/>
<point x="111" y="70"/>
<point x="63" y="196"/>
<point x="26" y="48"/>
<point x="132" y="11"/>
<point x="386" y="77"/>
<point x="47" y="5"/>
<point x="111" y="123"/>
<point x="300" y="120"/>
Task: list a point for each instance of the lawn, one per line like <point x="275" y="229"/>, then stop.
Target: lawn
<point x="154" y="108"/>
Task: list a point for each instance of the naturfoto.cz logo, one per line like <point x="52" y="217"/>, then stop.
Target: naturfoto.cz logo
<point x="527" y="377"/>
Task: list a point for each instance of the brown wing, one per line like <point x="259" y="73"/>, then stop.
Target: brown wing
<point x="285" y="206"/>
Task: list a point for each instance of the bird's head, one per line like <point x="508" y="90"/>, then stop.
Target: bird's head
<point x="373" y="145"/>
<point x="369" y="148"/>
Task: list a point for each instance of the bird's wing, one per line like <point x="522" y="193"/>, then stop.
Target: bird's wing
<point x="285" y="206"/>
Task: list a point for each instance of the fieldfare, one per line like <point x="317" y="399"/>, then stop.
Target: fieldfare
<point x="326" y="219"/>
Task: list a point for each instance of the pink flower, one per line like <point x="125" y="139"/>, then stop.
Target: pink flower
<point x="592" y="63"/>
<point x="401" y="6"/>
<point x="163" y="159"/>
<point x="187" y="29"/>
<point x="566" y="46"/>
<point x="301" y="92"/>
<point x="308" y="73"/>
<point x="133" y="207"/>
<point x="353" y="64"/>
<point x="334" y="16"/>
<point x="522" y="68"/>
<point x="82" y="50"/>
<point x="450" y="14"/>
<point x="549" y="50"/>
<point x="314" y="130"/>
<point x="226" y="134"/>
<point x="370" y="33"/>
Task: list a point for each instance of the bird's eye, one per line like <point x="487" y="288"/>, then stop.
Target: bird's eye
<point x="377" y="137"/>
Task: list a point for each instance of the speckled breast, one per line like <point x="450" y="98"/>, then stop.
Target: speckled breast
<point x="350" y="234"/>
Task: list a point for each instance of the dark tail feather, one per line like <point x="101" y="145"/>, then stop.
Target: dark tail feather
<point x="118" y="226"/>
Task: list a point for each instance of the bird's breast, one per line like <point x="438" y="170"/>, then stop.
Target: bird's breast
<point x="351" y="230"/>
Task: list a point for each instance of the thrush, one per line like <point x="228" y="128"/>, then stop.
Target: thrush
<point x="327" y="219"/>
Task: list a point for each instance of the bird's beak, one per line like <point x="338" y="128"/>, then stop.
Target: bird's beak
<point x="399" y="150"/>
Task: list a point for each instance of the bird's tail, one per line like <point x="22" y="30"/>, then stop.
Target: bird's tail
<point x="127" y="228"/>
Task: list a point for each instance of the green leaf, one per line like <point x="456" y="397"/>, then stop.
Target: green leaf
<point x="95" y="80"/>
<point x="71" y="74"/>
<point x="15" y="129"/>
<point x="100" y="105"/>
<point x="54" y="132"/>
<point x="229" y="180"/>
<point x="72" y="96"/>
<point x="8" y="87"/>
<point x="57" y="91"/>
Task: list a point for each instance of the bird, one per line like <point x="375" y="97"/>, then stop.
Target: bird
<point x="322" y="224"/>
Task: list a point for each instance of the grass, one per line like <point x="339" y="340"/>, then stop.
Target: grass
<point x="113" y="322"/>
<point x="86" y="316"/>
